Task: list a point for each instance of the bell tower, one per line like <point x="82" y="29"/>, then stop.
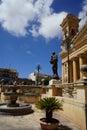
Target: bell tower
<point x="70" y="26"/>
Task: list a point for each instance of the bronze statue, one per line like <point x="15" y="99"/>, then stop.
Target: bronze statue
<point x="53" y="61"/>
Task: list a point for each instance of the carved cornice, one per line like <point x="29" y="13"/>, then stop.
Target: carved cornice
<point x="74" y="59"/>
<point x="83" y="55"/>
<point x="81" y="35"/>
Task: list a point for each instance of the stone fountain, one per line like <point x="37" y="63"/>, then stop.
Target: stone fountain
<point x="12" y="106"/>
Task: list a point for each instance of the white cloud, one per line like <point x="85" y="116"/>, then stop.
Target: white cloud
<point x="28" y="52"/>
<point x="15" y="14"/>
<point x="43" y="8"/>
<point x="83" y="14"/>
<point x="22" y="17"/>
<point x="34" y="31"/>
<point x="50" y="26"/>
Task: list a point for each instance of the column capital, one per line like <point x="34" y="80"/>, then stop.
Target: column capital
<point x="74" y="58"/>
<point x="81" y="55"/>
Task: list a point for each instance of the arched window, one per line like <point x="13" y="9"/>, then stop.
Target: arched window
<point x="73" y="32"/>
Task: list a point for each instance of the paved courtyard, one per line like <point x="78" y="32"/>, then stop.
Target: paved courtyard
<point x="31" y="122"/>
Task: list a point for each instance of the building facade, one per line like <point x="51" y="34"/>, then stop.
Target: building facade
<point x="8" y="76"/>
<point x="34" y="76"/>
<point x="74" y="49"/>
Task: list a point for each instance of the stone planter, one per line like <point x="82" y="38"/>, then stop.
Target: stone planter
<point x="49" y="126"/>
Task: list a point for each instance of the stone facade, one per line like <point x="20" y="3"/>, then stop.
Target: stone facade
<point x="10" y="73"/>
<point x="7" y="75"/>
<point x="39" y="78"/>
<point x="76" y="54"/>
<point x="33" y="76"/>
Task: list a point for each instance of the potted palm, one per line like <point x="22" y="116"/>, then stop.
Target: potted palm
<point x="49" y="104"/>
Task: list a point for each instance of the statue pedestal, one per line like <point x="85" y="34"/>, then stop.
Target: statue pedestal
<point x="53" y="88"/>
<point x="54" y="82"/>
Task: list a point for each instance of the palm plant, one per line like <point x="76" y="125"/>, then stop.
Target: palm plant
<point x="49" y="104"/>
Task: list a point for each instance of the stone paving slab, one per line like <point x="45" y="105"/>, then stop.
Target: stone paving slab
<point x="31" y="122"/>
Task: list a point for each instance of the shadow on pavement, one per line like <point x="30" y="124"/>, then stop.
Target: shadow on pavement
<point x="63" y="127"/>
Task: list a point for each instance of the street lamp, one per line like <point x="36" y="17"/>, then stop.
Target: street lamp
<point x="67" y="47"/>
<point x="38" y="68"/>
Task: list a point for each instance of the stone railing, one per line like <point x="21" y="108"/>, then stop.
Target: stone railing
<point x="31" y="94"/>
<point x="69" y="90"/>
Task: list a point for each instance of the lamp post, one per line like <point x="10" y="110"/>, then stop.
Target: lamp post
<point x="68" y="45"/>
<point x="38" y="72"/>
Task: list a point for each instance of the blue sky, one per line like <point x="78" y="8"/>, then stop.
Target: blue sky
<point x="30" y="31"/>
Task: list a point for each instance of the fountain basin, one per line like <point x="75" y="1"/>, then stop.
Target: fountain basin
<point x="12" y="105"/>
<point x="22" y="109"/>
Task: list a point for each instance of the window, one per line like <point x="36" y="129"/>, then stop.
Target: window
<point x="73" y="32"/>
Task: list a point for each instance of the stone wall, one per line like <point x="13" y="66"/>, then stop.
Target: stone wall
<point x="75" y="111"/>
<point x="31" y="94"/>
<point x="29" y="99"/>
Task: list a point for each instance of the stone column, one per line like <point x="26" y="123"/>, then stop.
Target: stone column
<point x="81" y="63"/>
<point x="71" y="71"/>
<point x="62" y="72"/>
<point x="74" y="70"/>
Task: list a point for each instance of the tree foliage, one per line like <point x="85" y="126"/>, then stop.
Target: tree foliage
<point x="49" y="104"/>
